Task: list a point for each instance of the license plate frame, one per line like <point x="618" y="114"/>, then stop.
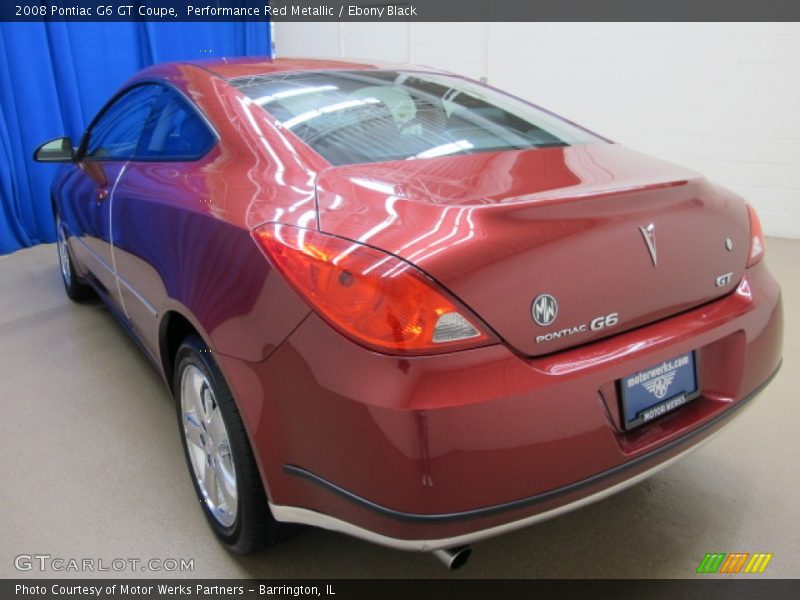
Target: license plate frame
<point x="658" y="390"/>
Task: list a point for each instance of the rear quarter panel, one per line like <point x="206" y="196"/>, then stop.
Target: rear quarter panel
<point x="182" y="230"/>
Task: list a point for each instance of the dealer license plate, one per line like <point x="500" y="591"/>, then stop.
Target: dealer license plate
<point x="658" y="390"/>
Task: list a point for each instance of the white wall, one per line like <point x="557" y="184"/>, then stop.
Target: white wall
<point x="722" y="98"/>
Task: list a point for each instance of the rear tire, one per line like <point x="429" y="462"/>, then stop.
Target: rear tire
<point x="218" y="453"/>
<point x="76" y="289"/>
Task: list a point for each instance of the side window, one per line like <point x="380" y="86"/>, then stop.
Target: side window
<point x="116" y="134"/>
<point x="175" y="131"/>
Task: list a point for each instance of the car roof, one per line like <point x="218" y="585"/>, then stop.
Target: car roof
<point x="230" y="68"/>
<point x="233" y="68"/>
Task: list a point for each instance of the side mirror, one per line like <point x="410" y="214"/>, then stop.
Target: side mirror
<point x="58" y="150"/>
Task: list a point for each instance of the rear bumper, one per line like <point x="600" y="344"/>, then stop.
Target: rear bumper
<point x="294" y="514"/>
<point x="431" y="452"/>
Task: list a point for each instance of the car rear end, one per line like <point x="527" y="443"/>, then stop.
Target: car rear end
<point x="497" y="334"/>
<point x="450" y="446"/>
<point x="443" y="449"/>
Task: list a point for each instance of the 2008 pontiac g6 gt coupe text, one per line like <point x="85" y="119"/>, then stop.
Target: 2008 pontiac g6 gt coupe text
<point x="403" y="305"/>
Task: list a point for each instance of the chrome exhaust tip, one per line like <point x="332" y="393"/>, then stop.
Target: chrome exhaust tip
<point x="453" y="558"/>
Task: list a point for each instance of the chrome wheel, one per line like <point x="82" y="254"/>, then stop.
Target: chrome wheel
<point x="63" y="255"/>
<point x="208" y="446"/>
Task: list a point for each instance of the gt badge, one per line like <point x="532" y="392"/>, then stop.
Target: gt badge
<point x="724" y="280"/>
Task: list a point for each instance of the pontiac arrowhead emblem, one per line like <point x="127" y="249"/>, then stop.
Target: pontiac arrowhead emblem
<point x="649" y="235"/>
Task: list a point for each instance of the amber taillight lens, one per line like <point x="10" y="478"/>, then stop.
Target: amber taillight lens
<point x="756" y="238"/>
<point x="374" y="298"/>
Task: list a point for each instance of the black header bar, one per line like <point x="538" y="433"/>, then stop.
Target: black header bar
<point x="402" y="10"/>
<point x="698" y="588"/>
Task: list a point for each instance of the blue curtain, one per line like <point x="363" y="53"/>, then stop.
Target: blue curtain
<point x="55" y="76"/>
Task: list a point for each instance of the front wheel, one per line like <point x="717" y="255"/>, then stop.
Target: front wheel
<point x="76" y="289"/>
<point x="218" y="453"/>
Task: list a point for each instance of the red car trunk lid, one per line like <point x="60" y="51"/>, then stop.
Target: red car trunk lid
<point x="616" y="239"/>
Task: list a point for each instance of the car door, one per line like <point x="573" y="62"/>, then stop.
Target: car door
<point x="88" y="189"/>
<point x="155" y="203"/>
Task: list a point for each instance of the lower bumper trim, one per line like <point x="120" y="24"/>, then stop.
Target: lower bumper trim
<point x="538" y="498"/>
<point x="304" y="516"/>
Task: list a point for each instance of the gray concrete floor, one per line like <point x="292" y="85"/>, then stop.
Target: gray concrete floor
<point x="91" y="467"/>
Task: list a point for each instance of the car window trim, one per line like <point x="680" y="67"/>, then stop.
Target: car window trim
<point x="197" y="112"/>
<point x="83" y="147"/>
<point x="81" y="153"/>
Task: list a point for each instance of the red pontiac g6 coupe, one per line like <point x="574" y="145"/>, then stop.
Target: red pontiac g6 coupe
<point x="399" y="304"/>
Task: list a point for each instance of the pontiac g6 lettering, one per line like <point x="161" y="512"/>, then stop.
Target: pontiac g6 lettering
<point x="596" y="324"/>
<point x="405" y="306"/>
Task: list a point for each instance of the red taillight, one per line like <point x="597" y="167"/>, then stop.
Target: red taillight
<point x="756" y="238"/>
<point x="374" y="298"/>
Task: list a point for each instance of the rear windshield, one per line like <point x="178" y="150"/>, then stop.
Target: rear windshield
<point x="354" y="117"/>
